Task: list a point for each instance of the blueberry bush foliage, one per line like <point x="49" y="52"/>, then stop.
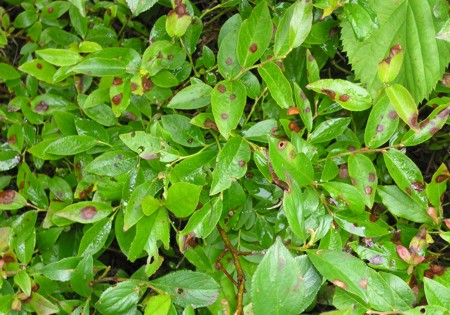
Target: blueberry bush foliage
<point x="224" y="157"/>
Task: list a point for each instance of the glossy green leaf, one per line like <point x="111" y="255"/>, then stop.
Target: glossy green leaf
<point x="437" y="293"/>
<point x="192" y="169"/>
<point x="345" y="196"/>
<point x="112" y="163"/>
<point x="8" y="72"/>
<point x="254" y="35"/>
<point x="26" y="19"/>
<point x="227" y="60"/>
<point x="406" y="175"/>
<point x="203" y="221"/>
<point x="11" y="200"/>
<point x="401" y="205"/>
<point x="362" y="224"/>
<point x="293" y="27"/>
<point x="120" y="299"/>
<point x="48" y="104"/>
<point x="382" y="123"/>
<point x="61" y="270"/>
<point x="252" y="84"/>
<point x="8" y="160"/>
<point x="22" y="228"/>
<point x="138" y="7"/>
<point x="146" y="145"/>
<point x="158" y="305"/>
<point x="328" y="130"/>
<point x="42" y="305"/>
<point x="343" y="270"/>
<point x="189" y="288"/>
<point x="99" y="67"/>
<point x="364" y="177"/>
<point x="182" y="131"/>
<point x="282" y="284"/>
<point x="85" y="212"/>
<point x="404" y="104"/>
<point x="403" y="295"/>
<point x="83" y="275"/>
<point x="208" y="57"/>
<point x="70" y="145"/>
<point x="228" y="100"/>
<point x="94" y="239"/>
<point x="59" y="57"/>
<point x="361" y="20"/>
<point x="156" y="57"/>
<point x="304" y="107"/>
<point x="182" y="198"/>
<point x="192" y="97"/>
<point x="288" y="164"/>
<point x="278" y="85"/>
<point x="438" y="185"/>
<point x="23" y="280"/>
<point x="293" y="207"/>
<point x="40" y="69"/>
<point x="231" y="164"/>
<point x="349" y="95"/>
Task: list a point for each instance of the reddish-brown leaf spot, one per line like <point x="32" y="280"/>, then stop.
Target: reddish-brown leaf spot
<point x="293" y="110"/>
<point x="12" y="139"/>
<point x="380" y="128"/>
<point x="433" y="130"/>
<point x="393" y="114"/>
<point x="437" y="269"/>
<point x="442" y="177"/>
<point x="373" y="218"/>
<point x="133" y="86"/>
<point x="294" y="127"/>
<point x="224" y="116"/>
<point x="363" y="284"/>
<point x="86" y="192"/>
<point x="221" y="88"/>
<point x="330" y="93"/>
<point x="339" y="283"/>
<point x="307" y="110"/>
<point x="229" y="61"/>
<point x="344" y="97"/>
<point x="210" y="124"/>
<point x="169" y="57"/>
<point x="413" y="121"/>
<point x="188" y="242"/>
<point x="404" y="253"/>
<point x="311" y="58"/>
<point x="371" y="177"/>
<point x="424" y="123"/>
<point x="343" y="171"/>
<point x="160" y="55"/>
<point x="241" y="163"/>
<point x="147" y="84"/>
<point x="444" y="113"/>
<point x="417" y="186"/>
<point x="148" y="156"/>
<point x="117" y="99"/>
<point x="39" y="66"/>
<point x="190" y="140"/>
<point x="7" y="197"/>
<point x="50" y="10"/>
<point x="41" y="107"/>
<point x="408" y="191"/>
<point x="117" y="81"/>
<point x="281" y="145"/>
<point x="368" y="190"/>
<point x="232" y="96"/>
<point x="431" y="211"/>
<point x="351" y="148"/>
<point x="354" y="181"/>
<point x="292" y="154"/>
<point x="88" y="212"/>
<point x="253" y="47"/>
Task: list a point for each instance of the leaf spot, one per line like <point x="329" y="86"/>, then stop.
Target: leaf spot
<point x="393" y="114"/>
<point x="368" y="190"/>
<point x="380" y="128"/>
<point x="232" y="96"/>
<point x="363" y="284"/>
<point x="117" y="81"/>
<point x="88" y="212"/>
<point x="50" y="10"/>
<point x="147" y="84"/>
<point x="371" y="177"/>
<point x="253" y="48"/>
<point x="344" y="97"/>
<point x="221" y="88"/>
<point x="413" y="121"/>
<point x="224" y="116"/>
<point x="330" y="93"/>
<point x="292" y="154"/>
<point x="340" y="284"/>
<point x="117" y="99"/>
<point x="408" y="191"/>
<point x="294" y="127"/>
<point x="417" y="186"/>
<point x="7" y="197"/>
<point x="12" y="139"/>
<point x="281" y="145"/>
<point x="229" y="61"/>
<point x="39" y="66"/>
<point x="241" y="163"/>
<point x="293" y="110"/>
<point x="41" y="107"/>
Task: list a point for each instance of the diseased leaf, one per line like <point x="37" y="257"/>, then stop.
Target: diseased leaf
<point x="404" y="104"/>
<point x="85" y="212"/>
<point x="11" y="200"/>
<point x="40" y="69"/>
<point x="382" y="123"/>
<point x="112" y="163"/>
<point x="364" y="177"/>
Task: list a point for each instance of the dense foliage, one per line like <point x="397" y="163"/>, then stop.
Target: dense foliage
<point x="220" y="157"/>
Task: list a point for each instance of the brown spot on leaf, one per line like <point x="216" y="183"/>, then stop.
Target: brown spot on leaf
<point x="442" y="177"/>
<point x="190" y="140"/>
<point x="363" y="284"/>
<point x="417" y="186"/>
<point x="368" y="190"/>
<point x="87" y="191"/>
<point x="133" y="86"/>
<point x="39" y="66"/>
<point x="12" y="139"/>
<point x="380" y="128"/>
<point x="169" y="57"/>
<point x="229" y="61"/>
<point x="330" y="93"/>
<point x="351" y="148"/>
<point x="41" y="107"/>
<point x="188" y="242"/>
<point x="119" y="156"/>
<point x="339" y="283"/>
<point x="221" y="88"/>
<point x="307" y="110"/>
<point x="311" y="57"/>
<point x="344" y="97"/>
<point x="241" y="163"/>
<point x="343" y="171"/>
<point x="147" y="84"/>
<point x="294" y="127"/>
<point x="117" y="99"/>
<point x="88" y="212"/>
<point x="224" y="116"/>
<point x="393" y="114"/>
<point x="50" y="10"/>
<point x="7" y="197"/>
<point x="210" y="124"/>
<point x="293" y="110"/>
<point x="160" y="55"/>
<point x="413" y="121"/>
<point x="117" y="81"/>
<point x="281" y="145"/>
<point x="180" y="9"/>
<point x="232" y="96"/>
<point x="433" y="130"/>
<point x="147" y="156"/>
<point x="371" y="177"/>
<point x="444" y="113"/>
<point x="408" y="191"/>
<point x="424" y="123"/>
<point x="253" y="47"/>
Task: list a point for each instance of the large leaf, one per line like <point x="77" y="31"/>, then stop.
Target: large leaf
<point x="137" y="6"/>
<point x="282" y="284"/>
<point x="231" y="164"/>
<point x="189" y="288"/>
<point x="120" y="299"/>
<point x="192" y="97"/>
<point x="413" y="25"/>
<point x="278" y="85"/>
<point x="182" y="198"/>
<point x="437" y="293"/>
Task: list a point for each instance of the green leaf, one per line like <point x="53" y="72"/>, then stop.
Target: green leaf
<point x="120" y="299"/>
<point x="436" y="293"/>
<point x="189" y="288"/>
<point x="364" y="177"/>
<point x="39" y="69"/>
<point x="382" y="123"/>
<point x="304" y="107"/>
<point x="192" y="169"/>
<point x="192" y="97"/>
<point x="94" y="239"/>
<point x="361" y="20"/>
<point x="403" y="295"/>
<point x="231" y="164"/>
<point x="345" y="196"/>
<point x="227" y="61"/>
<point x="85" y="212"/>
<point x="182" y="198"/>
<point x="23" y="280"/>
<point x="146" y="145"/>
<point x="112" y="163"/>
<point x="156" y="57"/>
<point x="293" y="206"/>
<point x="404" y="104"/>
<point x="228" y="101"/>
<point x="293" y="28"/>
<point x="182" y="131"/>
<point x="70" y="145"/>
<point x="59" y="57"/>
<point x="99" y="67"/>
<point x="41" y="305"/>
<point x="282" y="284"/>
<point x="278" y="85"/>
<point x="362" y="224"/>
<point x="25" y="19"/>
<point x="178" y="20"/>
<point x="328" y="130"/>
<point x="349" y="95"/>
<point x="8" y="72"/>
<point x="22" y="228"/>
<point x="83" y="276"/>
<point x="406" y="175"/>
<point x="120" y="95"/>
<point x="11" y="200"/>
<point x="343" y="270"/>
<point x="401" y="205"/>
<point x="254" y="35"/>
<point x="438" y="185"/>
<point x="288" y="164"/>
<point x="61" y="270"/>
<point x="260" y="130"/>
<point x="137" y="6"/>
<point x="158" y="305"/>
<point x="203" y="221"/>
<point x="411" y="24"/>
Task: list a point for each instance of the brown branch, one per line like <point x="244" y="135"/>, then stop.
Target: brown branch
<point x="240" y="272"/>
